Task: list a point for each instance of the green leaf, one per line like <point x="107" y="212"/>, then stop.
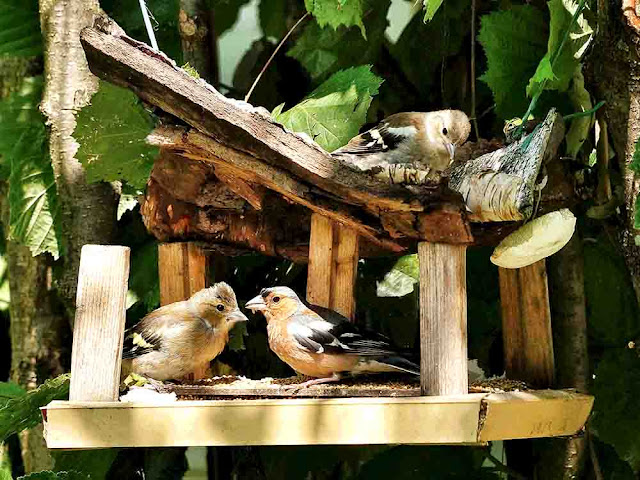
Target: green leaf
<point x="430" y="9"/>
<point x="399" y="281"/>
<point x="9" y="390"/>
<point x="635" y="160"/>
<point x="111" y="133"/>
<point x="336" y="13"/>
<point x="424" y="74"/>
<point x="334" y="112"/>
<point x="565" y="61"/>
<point x="612" y="309"/>
<point x="20" y="28"/>
<point x="23" y="412"/>
<point x="33" y="200"/>
<point x="617" y="389"/>
<point x="94" y="464"/>
<point x="49" y="475"/>
<point x="273" y="18"/>
<point x="513" y="49"/>
<point x="324" y="51"/>
<point x="143" y="280"/>
<point x="581" y="126"/>
<point x="636" y="213"/>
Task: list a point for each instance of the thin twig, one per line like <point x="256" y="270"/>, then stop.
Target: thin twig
<point x="594" y="457"/>
<point x="473" y="69"/>
<point x="266" y="65"/>
<point x="501" y="467"/>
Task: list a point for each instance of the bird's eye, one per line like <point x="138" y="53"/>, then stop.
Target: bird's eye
<point x="220" y="307"/>
<point x="276" y="299"/>
<point x="445" y="131"/>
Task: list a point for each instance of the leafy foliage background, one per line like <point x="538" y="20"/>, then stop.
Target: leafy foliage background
<point x="339" y="73"/>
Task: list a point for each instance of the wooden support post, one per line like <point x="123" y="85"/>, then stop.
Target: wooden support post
<point x="526" y="324"/>
<point x="182" y="267"/>
<point x="333" y="265"/>
<point x="443" y="319"/>
<point x="99" y="323"/>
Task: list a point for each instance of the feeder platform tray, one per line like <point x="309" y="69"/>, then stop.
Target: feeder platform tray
<point x="471" y="419"/>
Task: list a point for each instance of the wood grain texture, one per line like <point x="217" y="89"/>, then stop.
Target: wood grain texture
<point x="459" y="419"/>
<point x="344" y="271"/>
<point x="320" y="261"/>
<point x="526" y="324"/>
<point x="443" y="319"/>
<point x="182" y="267"/>
<point x="98" y="330"/>
<point x="333" y="265"/>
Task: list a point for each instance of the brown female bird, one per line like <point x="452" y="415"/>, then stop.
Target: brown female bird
<point x="174" y="340"/>
<point x="425" y="140"/>
<point x="321" y="343"/>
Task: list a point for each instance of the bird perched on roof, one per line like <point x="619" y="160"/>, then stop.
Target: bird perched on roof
<point x="321" y="343"/>
<point x="174" y="340"/>
<point x="426" y="140"/>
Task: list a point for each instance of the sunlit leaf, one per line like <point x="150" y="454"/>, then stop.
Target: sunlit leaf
<point x="111" y="133"/>
<point x="337" y="12"/>
<point x="334" y="112"/>
<point x="430" y="9"/>
<point x="513" y="46"/>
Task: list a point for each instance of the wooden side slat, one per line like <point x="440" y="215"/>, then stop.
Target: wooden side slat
<point x="526" y="324"/>
<point x="320" y="261"/>
<point x="443" y="319"/>
<point x="345" y="269"/>
<point x="99" y="323"/>
<point x="182" y="267"/>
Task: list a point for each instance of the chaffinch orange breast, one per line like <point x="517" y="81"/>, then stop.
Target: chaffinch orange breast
<point x="423" y="139"/>
<point x="321" y="343"/>
<point x="174" y="340"/>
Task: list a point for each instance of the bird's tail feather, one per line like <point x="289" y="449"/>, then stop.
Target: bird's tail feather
<point x="401" y="364"/>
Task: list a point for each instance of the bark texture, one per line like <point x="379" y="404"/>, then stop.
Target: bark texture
<point x="88" y="211"/>
<point x="613" y="75"/>
<point x="39" y="336"/>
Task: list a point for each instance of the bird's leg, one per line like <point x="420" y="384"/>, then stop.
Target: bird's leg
<point x="316" y="381"/>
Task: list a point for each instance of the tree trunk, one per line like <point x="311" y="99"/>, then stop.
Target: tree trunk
<point x="613" y="75"/>
<point x="88" y="211"/>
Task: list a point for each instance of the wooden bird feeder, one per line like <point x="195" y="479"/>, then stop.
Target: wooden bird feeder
<point x="225" y="180"/>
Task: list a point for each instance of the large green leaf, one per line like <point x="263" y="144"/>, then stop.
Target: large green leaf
<point x="323" y="51"/>
<point x="617" y="389"/>
<point x="513" y="42"/>
<point x="337" y="12"/>
<point x="23" y="412"/>
<point x="9" y="390"/>
<point x="20" y="28"/>
<point x="565" y="61"/>
<point x="33" y="200"/>
<point x="334" y="112"/>
<point x="111" y="133"/>
<point x="431" y="8"/>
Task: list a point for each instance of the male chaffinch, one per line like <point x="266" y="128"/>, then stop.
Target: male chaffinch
<point x="321" y="343"/>
<point x="172" y="341"/>
<point x="423" y="139"/>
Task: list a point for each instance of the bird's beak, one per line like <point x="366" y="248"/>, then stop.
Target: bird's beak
<point x="451" y="148"/>
<point x="256" y="304"/>
<point x="236" y="316"/>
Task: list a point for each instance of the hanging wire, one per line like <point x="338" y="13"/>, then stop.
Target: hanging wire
<point x="147" y="24"/>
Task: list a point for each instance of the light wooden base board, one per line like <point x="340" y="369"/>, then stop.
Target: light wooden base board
<point x="462" y="419"/>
